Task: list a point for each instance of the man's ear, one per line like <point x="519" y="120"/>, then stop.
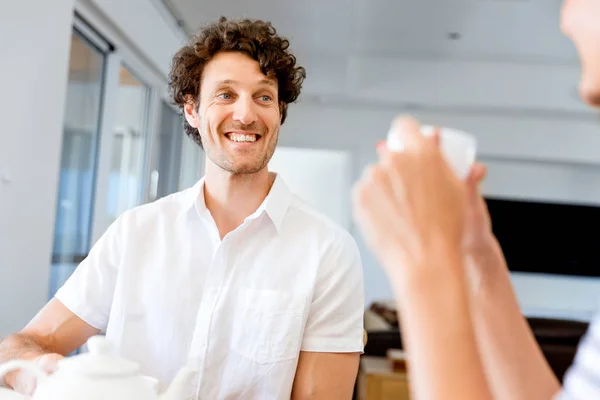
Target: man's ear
<point x="191" y="114"/>
<point x="282" y="111"/>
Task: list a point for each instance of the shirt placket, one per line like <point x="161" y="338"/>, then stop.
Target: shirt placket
<point x="214" y="281"/>
<point x="217" y="276"/>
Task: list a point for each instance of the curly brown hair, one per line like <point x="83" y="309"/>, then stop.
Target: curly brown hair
<point x="256" y="38"/>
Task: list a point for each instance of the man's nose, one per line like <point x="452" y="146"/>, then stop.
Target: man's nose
<point x="245" y="111"/>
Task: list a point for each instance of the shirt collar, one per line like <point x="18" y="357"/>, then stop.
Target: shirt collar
<point x="275" y="205"/>
<point x="277" y="202"/>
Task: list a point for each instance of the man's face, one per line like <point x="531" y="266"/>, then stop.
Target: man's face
<point x="238" y="118"/>
<point x="581" y="22"/>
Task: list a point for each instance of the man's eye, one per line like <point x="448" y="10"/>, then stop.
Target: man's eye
<point x="224" y="96"/>
<point x="265" y="98"/>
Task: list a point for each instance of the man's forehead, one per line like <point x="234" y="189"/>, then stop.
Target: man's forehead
<point x="236" y="69"/>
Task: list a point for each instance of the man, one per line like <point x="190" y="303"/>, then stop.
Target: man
<point x="465" y="335"/>
<point x="235" y="277"/>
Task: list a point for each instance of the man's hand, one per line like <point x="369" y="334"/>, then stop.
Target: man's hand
<point x="54" y="331"/>
<point x="411" y="204"/>
<point x="25" y="383"/>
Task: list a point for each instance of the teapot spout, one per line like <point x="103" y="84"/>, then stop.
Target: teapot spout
<point x="180" y="386"/>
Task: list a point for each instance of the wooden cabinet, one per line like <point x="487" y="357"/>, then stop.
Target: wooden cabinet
<point x="377" y="381"/>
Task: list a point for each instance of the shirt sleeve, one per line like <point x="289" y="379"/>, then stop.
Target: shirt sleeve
<point x="88" y="293"/>
<point x="336" y="317"/>
<point x="582" y="380"/>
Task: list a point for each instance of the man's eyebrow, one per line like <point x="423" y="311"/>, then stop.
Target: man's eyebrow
<point x="269" y="82"/>
<point x="228" y="82"/>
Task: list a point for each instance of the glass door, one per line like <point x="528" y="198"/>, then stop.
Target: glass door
<point x="129" y="145"/>
<point x="125" y="145"/>
<point x="166" y="154"/>
<point x="192" y="163"/>
<point x="81" y="133"/>
<point x="114" y="119"/>
<point x="177" y="162"/>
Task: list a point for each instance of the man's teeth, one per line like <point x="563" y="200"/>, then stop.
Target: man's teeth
<point x="242" y="138"/>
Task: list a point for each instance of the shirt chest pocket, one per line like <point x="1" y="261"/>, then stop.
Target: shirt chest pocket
<point x="270" y="325"/>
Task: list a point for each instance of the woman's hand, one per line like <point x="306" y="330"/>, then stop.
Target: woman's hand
<point x="410" y="205"/>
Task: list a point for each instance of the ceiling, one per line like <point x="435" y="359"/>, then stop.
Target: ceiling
<point x="425" y="53"/>
<point x="476" y="29"/>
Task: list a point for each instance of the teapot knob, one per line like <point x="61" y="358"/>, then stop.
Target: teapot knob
<point x="99" y="345"/>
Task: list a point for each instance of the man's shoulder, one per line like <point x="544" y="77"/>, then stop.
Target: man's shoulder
<point x="164" y="210"/>
<point x="315" y="222"/>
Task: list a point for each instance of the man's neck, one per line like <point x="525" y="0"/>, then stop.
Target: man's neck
<point x="232" y="198"/>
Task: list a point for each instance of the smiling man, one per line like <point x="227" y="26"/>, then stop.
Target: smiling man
<point x="235" y="277"/>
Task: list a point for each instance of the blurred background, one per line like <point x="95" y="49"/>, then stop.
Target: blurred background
<point x="87" y="130"/>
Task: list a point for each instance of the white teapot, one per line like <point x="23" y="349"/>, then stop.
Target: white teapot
<point x="96" y="375"/>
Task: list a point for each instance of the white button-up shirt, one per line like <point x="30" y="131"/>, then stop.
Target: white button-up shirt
<point x="168" y="292"/>
<point x="582" y="380"/>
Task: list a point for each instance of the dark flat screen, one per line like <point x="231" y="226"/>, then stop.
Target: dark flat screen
<point x="551" y="238"/>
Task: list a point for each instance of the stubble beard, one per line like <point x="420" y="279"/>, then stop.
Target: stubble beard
<point x="226" y="163"/>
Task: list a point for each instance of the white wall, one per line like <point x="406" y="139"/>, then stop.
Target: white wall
<point x="34" y="48"/>
<point x="537" y="156"/>
<point x="303" y="172"/>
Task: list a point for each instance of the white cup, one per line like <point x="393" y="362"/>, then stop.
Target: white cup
<point x="458" y="147"/>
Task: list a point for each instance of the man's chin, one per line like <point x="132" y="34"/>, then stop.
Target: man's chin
<point x="245" y="169"/>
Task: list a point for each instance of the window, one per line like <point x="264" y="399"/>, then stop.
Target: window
<point x="164" y="178"/>
<point x="129" y="145"/>
<point x="122" y="146"/>
<point x="79" y="154"/>
<point x="192" y="163"/>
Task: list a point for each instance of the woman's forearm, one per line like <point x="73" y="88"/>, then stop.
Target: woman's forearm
<point x="514" y="363"/>
<point x="438" y="333"/>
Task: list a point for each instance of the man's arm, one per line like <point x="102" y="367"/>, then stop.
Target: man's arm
<point x="334" y="334"/>
<point x="514" y="363"/>
<point x="54" y="330"/>
<point x="79" y="310"/>
<point x="327" y="376"/>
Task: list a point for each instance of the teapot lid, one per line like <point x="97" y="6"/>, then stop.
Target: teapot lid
<point x="101" y="360"/>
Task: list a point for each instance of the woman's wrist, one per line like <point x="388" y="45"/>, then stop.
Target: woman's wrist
<point x="432" y="265"/>
<point x="484" y="266"/>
